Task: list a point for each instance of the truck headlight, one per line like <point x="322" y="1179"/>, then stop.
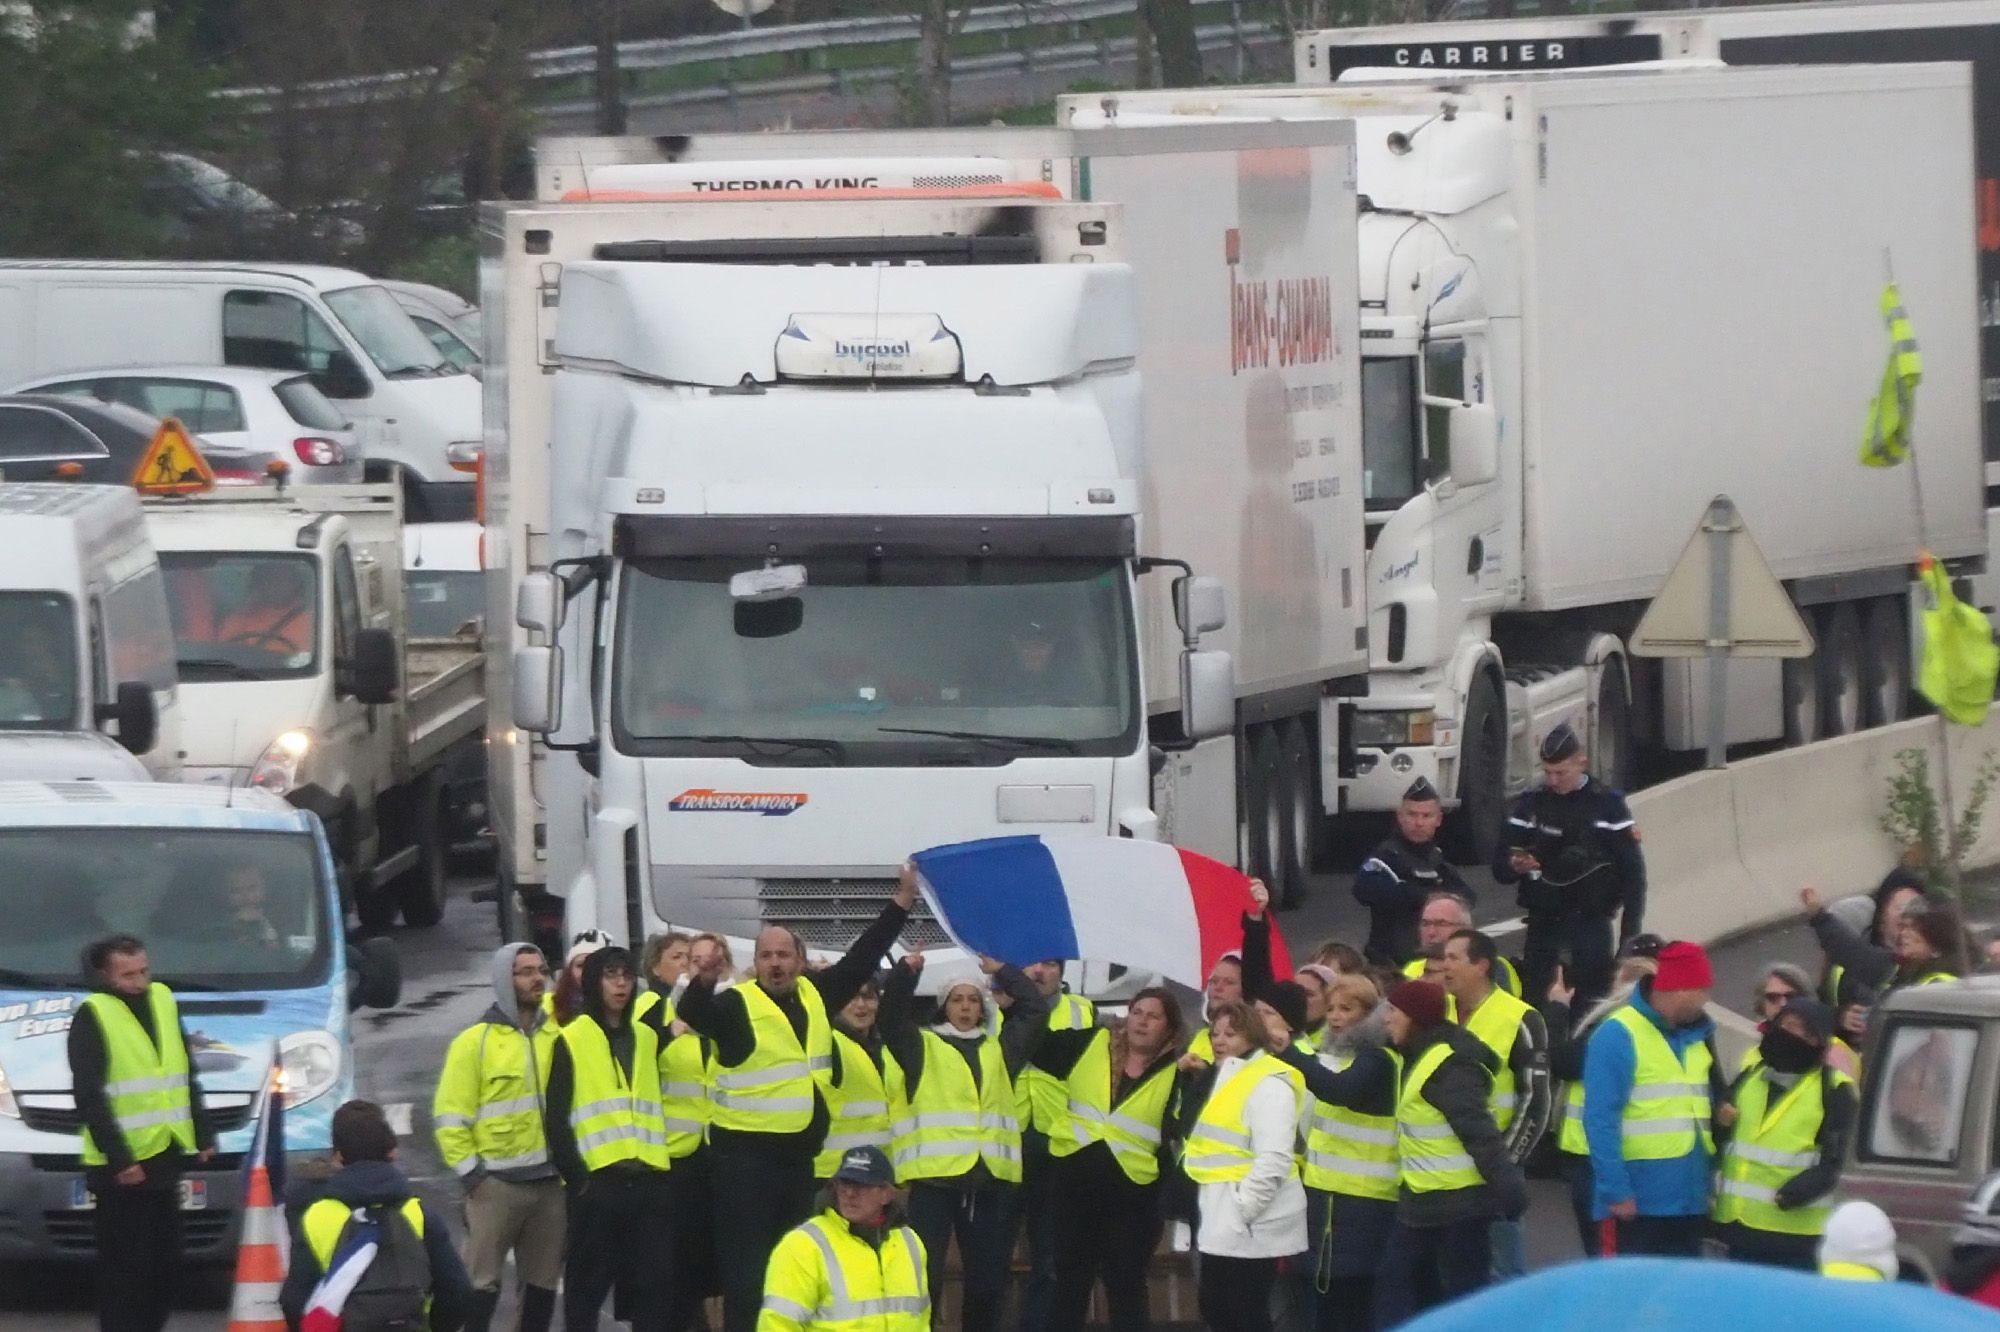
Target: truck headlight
<point x="277" y="769"/>
<point x="1386" y="730"/>
<point x="308" y="1065"/>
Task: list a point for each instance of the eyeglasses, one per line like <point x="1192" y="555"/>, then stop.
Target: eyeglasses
<point x="1777" y="996"/>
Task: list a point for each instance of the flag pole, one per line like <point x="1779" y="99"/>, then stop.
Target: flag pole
<point x="1907" y="405"/>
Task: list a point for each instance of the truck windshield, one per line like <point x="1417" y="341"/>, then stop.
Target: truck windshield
<point x="217" y="908"/>
<point x="37" y="662"/>
<point x="384" y="329"/>
<point x="243" y="616"/>
<point x="880" y="661"/>
<point x="1391" y="452"/>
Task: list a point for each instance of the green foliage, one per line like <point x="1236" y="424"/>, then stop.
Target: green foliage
<point x="1914" y="816"/>
<point x="451" y="262"/>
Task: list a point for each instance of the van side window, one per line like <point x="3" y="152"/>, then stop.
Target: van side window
<point x="139" y="638"/>
<point x="274" y="331"/>
<point x="346" y="605"/>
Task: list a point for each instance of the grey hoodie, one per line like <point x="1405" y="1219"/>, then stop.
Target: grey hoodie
<point x="505" y="1013"/>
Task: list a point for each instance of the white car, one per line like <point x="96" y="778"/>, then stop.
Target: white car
<point x="448" y="320"/>
<point x="278" y="414"/>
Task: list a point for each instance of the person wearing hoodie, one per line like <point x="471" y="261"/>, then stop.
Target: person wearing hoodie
<point x="1650" y="1085"/>
<point x="487" y="1115"/>
<point x="1454" y="1176"/>
<point x="1974" y="1266"/>
<point x="367" y="1182"/>
<point x="857" y="1254"/>
<point x="956" y="1134"/>
<point x="1859" y="1244"/>
<point x="1783" y="1134"/>
<point x="607" y="1134"/>
<point x="1350" y="1157"/>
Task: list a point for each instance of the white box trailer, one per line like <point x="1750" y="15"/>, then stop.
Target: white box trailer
<point x="1664" y="285"/>
<point x="1242" y="450"/>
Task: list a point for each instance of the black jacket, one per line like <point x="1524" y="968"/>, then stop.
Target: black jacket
<point x="1589" y="853"/>
<point x="562" y="1072"/>
<point x="1458" y="1089"/>
<point x="1393" y="883"/>
<point x="89" y="1060"/>
<point x="1842" y="1108"/>
<point x="377" y="1184"/>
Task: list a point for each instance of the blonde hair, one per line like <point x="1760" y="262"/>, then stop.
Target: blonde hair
<point x="1355" y="989"/>
<point x="728" y="953"/>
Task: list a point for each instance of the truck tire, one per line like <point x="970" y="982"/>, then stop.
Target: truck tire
<point x="1801" y="699"/>
<point x="1885" y="661"/>
<point x="1840" y="669"/>
<point x="420" y="889"/>
<point x="1472" y="833"/>
<point x="1611" y="738"/>
<point x="1266" y="817"/>
<point x="1297" y="763"/>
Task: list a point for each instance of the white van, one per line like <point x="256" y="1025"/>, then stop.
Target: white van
<point x="417" y="415"/>
<point x="85" y="640"/>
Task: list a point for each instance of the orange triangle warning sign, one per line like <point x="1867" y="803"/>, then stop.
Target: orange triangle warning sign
<point x="172" y="465"/>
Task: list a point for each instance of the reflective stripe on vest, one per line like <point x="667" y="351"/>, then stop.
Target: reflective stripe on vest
<point x="1040" y="1096"/>
<point x="1772" y="1144"/>
<point x="953" y="1124"/>
<point x="686" y="1068"/>
<point x="772" y="1090"/>
<point x="1219" y="1149"/>
<point x="1131" y="1130"/>
<point x="615" y="1120"/>
<point x="857" y="1107"/>
<point x="488" y="1111"/>
<point x="1497" y="1024"/>
<point x="145" y="1084"/>
<point x="1348" y="1152"/>
<point x="1431" y="1159"/>
<point x="1572" y="1138"/>
<point x="1669" y="1109"/>
<point x="326" y="1218"/>
<point x="883" y="1290"/>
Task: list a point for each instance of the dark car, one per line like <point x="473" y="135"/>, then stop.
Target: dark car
<point x="42" y="432"/>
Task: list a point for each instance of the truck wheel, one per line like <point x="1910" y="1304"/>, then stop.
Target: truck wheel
<point x="1295" y="769"/>
<point x="1840" y="669"/>
<point x="1611" y="739"/>
<point x="420" y="889"/>
<point x="1473" y="831"/>
<point x="1885" y="661"/>
<point x="1801" y="699"/>
<point x="1266" y="814"/>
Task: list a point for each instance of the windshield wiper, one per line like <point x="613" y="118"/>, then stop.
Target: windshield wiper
<point x="1049" y="742"/>
<point x="233" y="670"/>
<point x="416" y="372"/>
<point x="771" y="746"/>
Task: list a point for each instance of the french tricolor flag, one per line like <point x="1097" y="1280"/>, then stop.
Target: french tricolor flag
<point x="1145" y="905"/>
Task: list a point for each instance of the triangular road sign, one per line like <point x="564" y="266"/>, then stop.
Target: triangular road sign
<point x="1758" y="618"/>
<point x="172" y="465"/>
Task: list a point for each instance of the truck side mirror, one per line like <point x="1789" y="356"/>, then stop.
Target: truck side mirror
<point x="1200" y="605"/>
<point x="538" y="604"/>
<point x="135" y="714"/>
<point x="537" y="676"/>
<point x="1475" y="445"/>
<point x="372" y="673"/>
<point x="374" y="974"/>
<point x="1208" y="694"/>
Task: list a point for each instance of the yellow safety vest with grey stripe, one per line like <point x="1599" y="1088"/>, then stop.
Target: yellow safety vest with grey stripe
<point x="487" y="1113"/>
<point x="326" y="1219"/>
<point x="1497" y="1024"/>
<point x="145" y="1084"/>
<point x="952" y="1125"/>
<point x="1430" y="1157"/>
<point x="1131" y="1129"/>
<point x="687" y="1068"/>
<point x="614" y="1118"/>
<point x="1670" y="1107"/>
<point x="857" y="1106"/>
<point x="1218" y="1150"/>
<point x="1351" y="1153"/>
<point x="1041" y="1095"/>
<point x="772" y="1091"/>
<point x="822" y="1278"/>
<point x="1770" y="1145"/>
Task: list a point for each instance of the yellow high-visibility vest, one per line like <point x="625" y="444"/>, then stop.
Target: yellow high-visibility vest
<point x="1041" y="1096"/>
<point x="145" y="1084"/>
<point x="1218" y="1150"/>
<point x="1430" y="1157"/>
<point x="1850" y="1272"/>
<point x="1669" y="1109"/>
<point x="325" y="1219"/>
<point x="614" y="1118"/>
<point x="821" y="1278"/>
<point x="487" y="1112"/>
<point x="1132" y="1129"/>
<point x="1769" y="1146"/>
<point x="1351" y="1153"/>
<point x="1497" y="1024"/>
<point x="773" y="1090"/>
<point x="857" y="1106"/>
<point x="952" y="1124"/>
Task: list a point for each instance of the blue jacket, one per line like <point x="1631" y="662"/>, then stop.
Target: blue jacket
<point x="1677" y="1187"/>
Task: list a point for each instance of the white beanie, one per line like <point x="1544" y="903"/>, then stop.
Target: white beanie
<point x="1860" y="1233"/>
<point x="585" y="944"/>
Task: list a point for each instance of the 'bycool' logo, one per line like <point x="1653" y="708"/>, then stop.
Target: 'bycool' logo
<point x="870" y="351"/>
<point x="706" y="800"/>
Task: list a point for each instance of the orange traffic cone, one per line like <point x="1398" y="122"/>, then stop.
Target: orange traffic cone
<point x="260" y="1260"/>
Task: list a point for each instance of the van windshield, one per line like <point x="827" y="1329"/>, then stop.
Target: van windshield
<point x="217" y="908"/>
<point x="243" y="616"/>
<point x="385" y="331"/>
<point x="37" y="662"/>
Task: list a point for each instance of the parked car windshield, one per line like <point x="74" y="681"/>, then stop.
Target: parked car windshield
<point x="382" y="327"/>
<point x="37" y="662"/>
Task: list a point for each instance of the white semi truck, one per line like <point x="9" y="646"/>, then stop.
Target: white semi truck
<point x="844" y="526"/>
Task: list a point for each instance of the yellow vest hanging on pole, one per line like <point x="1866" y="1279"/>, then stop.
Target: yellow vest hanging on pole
<point x="1885" y="440"/>
<point x="1960" y="660"/>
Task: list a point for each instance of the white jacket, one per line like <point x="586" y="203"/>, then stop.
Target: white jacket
<point x="1264" y="1214"/>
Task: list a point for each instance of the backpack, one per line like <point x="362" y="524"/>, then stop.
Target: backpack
<point x="394" y="1290"/>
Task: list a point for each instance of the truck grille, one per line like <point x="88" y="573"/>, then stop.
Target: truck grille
<point x="830" y="913"/>
<point x="65" y="1119"/>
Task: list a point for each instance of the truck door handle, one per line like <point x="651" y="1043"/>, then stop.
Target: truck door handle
<point x="1475" y="556"/>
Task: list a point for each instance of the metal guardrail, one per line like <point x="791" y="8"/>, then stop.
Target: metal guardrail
<point x="726" y="47"/>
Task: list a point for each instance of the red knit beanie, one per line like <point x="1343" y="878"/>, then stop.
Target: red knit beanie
<point x="1423" y="1001"/>
<point x="1683" y="966"/>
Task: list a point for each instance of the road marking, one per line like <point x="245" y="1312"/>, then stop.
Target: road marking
<point x="399" y="1114"/>
<point x="1499" y="927"/>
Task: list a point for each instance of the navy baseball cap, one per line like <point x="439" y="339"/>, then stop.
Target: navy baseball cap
<point x="865" y="1165"/>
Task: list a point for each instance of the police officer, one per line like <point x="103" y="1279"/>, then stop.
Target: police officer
<point x="1397" y="880"/>
<point x="488" y="1118"/>
<point x="855" y="1267"/>
<point x="1571" y="846"/>
<point x="1042" y="1102"/>
<point x="141" y="1108"/>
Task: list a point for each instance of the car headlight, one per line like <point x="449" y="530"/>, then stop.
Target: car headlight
<point x="1386" y="730"/>
<point x="277" y="769"/>
<point x="8" y="1106"/>
<point x="308" y="1065"/>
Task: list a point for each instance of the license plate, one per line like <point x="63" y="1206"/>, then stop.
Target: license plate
<point x="193" y="1195"/>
